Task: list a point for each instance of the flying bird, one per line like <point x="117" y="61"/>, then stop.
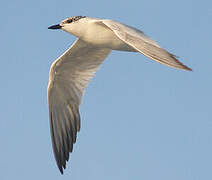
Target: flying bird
<point x="71" y="72"/>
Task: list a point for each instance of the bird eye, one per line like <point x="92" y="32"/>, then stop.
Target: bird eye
<point x="69" y="21"/>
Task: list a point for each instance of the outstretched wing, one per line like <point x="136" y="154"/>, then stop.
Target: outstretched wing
<point x="143" y="44"/>
<point x="69" y="76"/>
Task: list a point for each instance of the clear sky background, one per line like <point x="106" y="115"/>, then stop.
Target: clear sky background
<point x="140" y="119"/>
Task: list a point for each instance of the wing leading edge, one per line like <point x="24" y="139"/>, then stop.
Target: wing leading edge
<point x="143" y="44"/>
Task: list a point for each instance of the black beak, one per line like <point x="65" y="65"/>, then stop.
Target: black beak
<point x="57" y="26"/>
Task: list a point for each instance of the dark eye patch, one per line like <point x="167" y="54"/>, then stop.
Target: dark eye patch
<point x="73" y="19"/>
<point x="69" y="21"/>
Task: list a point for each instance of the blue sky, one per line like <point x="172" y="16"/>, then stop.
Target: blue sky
<point x="140" y="120"/>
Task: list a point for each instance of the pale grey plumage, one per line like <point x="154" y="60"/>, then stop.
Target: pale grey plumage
<point x="71" y="72"/>
<point x="68" y="79"/>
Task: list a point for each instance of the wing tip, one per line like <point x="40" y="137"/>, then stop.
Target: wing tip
<point x="61" y="169"/>
<point x="186" y="68"/>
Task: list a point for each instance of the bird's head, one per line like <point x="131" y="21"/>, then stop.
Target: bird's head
<point x="70" y="25"/>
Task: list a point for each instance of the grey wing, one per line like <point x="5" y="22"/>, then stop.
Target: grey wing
<point x="143" y="44"/>
<point x="69" y="76"/>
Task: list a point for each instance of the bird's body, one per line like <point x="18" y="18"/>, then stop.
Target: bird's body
<point x="94" y="32"/>
<point x="71" y="72"/>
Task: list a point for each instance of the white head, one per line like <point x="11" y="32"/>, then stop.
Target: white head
<point x="71" y="25"/>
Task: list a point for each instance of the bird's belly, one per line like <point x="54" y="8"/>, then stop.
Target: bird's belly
<point x="104" y="37"/>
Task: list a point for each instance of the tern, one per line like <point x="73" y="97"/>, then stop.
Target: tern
<point x="71" y="72"/>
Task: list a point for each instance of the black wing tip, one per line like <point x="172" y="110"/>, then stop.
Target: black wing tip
<point x="63" y="146"/>
<point x="61" y="167"/>
<point x="61" y="170"/>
